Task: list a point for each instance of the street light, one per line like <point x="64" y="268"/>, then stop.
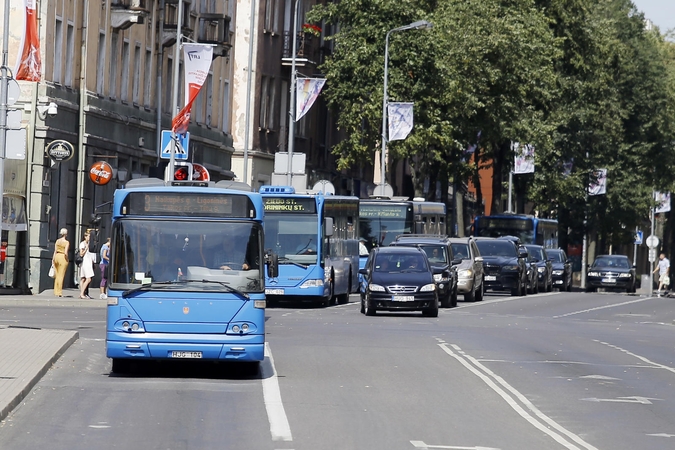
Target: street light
<point x="419" y="25"/>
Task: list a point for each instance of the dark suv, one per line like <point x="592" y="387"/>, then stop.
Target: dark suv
<point x="442" y="261"/>
<point x="504" y="265"/>
<point x="544" y="266"/>
<point x="399" y="279"/>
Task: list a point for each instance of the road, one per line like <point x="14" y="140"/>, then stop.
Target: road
<point x="546" y="371"/>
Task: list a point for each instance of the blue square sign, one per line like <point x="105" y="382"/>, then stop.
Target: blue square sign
<point x="182" y="148"/>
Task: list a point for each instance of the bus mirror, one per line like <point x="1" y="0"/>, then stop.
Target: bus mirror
<point x="328" y="222"/>
<point x="272" y="260"/>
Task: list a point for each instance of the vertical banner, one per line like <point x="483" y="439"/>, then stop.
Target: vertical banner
<point x="400" y="120"/>
<point x="662" y="202"/>
<point x="524" y="162"/>
<point x="196" y="62"/>
<point x="306" y="92"/>
<point x="28" y="65"/>
<point x="598" y="185"/>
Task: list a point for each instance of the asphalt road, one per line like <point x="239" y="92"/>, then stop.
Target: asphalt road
<point x="546" y="371"/>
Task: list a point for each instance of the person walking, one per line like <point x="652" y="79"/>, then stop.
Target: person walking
<point x="105" y="260"/>
<point x="663" y="268"/>
<point x="60" y="261"/>
<point x="87" y="266"/>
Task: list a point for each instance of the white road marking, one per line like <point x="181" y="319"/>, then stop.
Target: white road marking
<point x="422" y="445"/>
<point x="604" y="307"/>
<point x="599" y="377"/>
<point x="279" y="427"/>
<point x="528" y="411"/>
<point x="641" y="358"/>
<point x="666" y="435"/>
<point x="501" y="300"/>
<point x="641" y="400"/>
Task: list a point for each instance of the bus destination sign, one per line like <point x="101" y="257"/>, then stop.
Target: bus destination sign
<point x="289" y="204"/>
<point x="187" y="204"/>
<point x="383" y="211"/>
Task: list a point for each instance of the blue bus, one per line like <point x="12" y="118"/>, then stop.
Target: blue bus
<point x="530" y="229"/>
<point x="316" y="239"/>
<point x="186" y="274"/>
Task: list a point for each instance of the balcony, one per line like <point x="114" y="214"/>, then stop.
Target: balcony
<point x="215" y="29"/>
<point x="171" y="22"/>
<point x="125" y="13"/>
<point x="306" y="53"/>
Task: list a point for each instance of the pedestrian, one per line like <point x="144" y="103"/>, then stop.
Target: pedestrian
<point x="87" y="266"/>
<point x="3" y="257"/>
<point x="663" y="268"/>
<point x="105" y="260"/>
<point x="60" y="261"/>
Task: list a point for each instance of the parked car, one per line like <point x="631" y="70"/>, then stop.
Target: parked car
<point x="470" y="270"/>
<point x="562" y="269"/>
<point x="439" y="254"/>
<point x="504" y="265"/>
<point x="611" y="272"/>
<point x="399" y="279"/>
<point x="539" y="255"/>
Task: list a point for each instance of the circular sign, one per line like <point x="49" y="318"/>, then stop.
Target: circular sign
<point x="200" y="173"/>
<point x="652" y="241"/>
<point x="100" y="173"/>
<point x="60" y="150"/>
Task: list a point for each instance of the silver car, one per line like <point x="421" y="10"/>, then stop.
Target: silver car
<point x="470" y="270"/>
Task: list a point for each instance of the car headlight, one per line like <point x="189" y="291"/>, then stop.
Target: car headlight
<point x="428" y="288"/>
<point x="624" y="275"/>
<point x="511" y="268"/>
<point x="375" y="288"/>
<point x="438" y="277"/>
<point x="466" y="273"/>
<point x="593" y="274"/>
<point x="558" y="272"/>
<point x="312" y="283"/>
<point x="541" y="269"/>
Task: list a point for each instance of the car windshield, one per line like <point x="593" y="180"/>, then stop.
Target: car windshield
<point x="197" y="255"/>
<point x="555" y="256"/>
<point x="437" y="254"/>
<point x="612" y="262"/>
<point x="400" y="262"/>
<point x="497" y="248"/>
<point x="461" y="251"/>
<point x="536" y="253"/>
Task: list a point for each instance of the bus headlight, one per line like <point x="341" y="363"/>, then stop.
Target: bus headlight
<point x="312" y="283"/>
<point x="428" y="288"/>
<point x="112" y="301"/>
<point x="240" y="328"/>
<point x="260" y="304"/>
<point x="375" y="288"/>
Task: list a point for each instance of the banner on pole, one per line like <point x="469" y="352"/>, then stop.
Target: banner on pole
<point x="400" y="120"/>
<point x="598" y="185"/>
<point x="306" y="92"/>
<point x="524" y="162"/>
<point x="662" y="202"/>
<point x="28" y="65"/>
<point x="197" y="62"/>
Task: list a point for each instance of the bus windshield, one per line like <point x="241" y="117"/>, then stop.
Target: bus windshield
<point x="193" y="255"/>
<point x="522" y="228"/>
<point x="293" y="237"/>
<point x="380" y="224"/>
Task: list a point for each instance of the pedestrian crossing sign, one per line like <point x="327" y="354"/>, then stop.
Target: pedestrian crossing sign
<point x="181" y="152"/>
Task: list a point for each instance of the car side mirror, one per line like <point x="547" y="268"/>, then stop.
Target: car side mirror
<point x="363" y="271"/>
<point x="457" y="261"/>
<point x="479" y="259"/>
<point x="522" y="253"/>
<point x="328" y="224"/>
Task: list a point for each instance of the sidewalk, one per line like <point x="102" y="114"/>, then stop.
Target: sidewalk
<point x="71" y="297"/>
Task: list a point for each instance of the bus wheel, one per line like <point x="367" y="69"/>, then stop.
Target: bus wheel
<point x="120" y="365"/>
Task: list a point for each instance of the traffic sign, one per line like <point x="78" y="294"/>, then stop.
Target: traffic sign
<point x="638" y="237"/>
<point x="652" y="241"/>
<point x="181" y="152"/>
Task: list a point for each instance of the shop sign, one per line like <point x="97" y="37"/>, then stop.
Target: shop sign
<point x="100" y="173"/>
<point x="60" y="150"/>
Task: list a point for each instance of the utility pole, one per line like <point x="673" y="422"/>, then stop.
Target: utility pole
<point x="4" y="88"/>
<point x="291" y="112"/>
<point x="176" y="87"/>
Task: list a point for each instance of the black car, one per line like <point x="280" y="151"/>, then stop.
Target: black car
<point x="442" y="261"/>
<point x="504" y="265"/>
<point x="611" y="272"/>
<point x="539" y="255"/>
<point x="399" y="279"/>
<point x="562" y="269"/>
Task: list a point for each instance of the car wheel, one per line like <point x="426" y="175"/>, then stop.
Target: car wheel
<point x="549" y="285"/>
<point x="370" y="309"/>
<point x="569" y="286"/>
<point x="432" y="311"/>
<point x="363" y="308"/>
<point x="471" y="295"/>
<point x="480" y="293"/>
<point x="446" y="302"/>
<point x="590" y="289"/>
<point x="453" y="299"/>
<point x="515" y="291"/>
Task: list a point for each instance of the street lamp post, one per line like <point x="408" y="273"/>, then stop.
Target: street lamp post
<point x="419" y="25"/>
<point x="291" y="112"/>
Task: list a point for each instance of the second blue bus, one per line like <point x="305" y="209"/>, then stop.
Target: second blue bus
<point x="529" y="229"/>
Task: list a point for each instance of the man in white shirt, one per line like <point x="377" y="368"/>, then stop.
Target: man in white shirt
<point x="663" y="268"/>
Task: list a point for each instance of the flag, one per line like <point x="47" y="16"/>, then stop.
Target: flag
<point x="28" y="65"/>
<point x="306" y="92"/>
<point x="524" y="162"/>
<point x="598" y="185"/>
<point x="400" y="120"/>
<point x="197" y="62"/>
<point x="662" y="202"/>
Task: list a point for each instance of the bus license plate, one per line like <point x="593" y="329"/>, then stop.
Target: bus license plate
<point x="490" y="278"/>
<point x="187" y="355"/>
<point x="403" y="298"/>
<point x="274" y="292"/>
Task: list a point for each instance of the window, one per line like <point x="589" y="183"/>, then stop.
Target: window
<point x="137" y="73"/>
<point x="149" y="76"/>
<point x="58" y="51"/>
<point x="100" y="64"/>
<point x="112" y="88"/>
<point x="69" y="55"/>
<point x="124" y="91"/>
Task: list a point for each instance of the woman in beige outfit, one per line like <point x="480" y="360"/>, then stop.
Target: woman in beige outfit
<point x="60" y="261"/>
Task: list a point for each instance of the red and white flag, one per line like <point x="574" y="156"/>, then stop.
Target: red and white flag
<point x="28" y="65"/>
<point x="197" y="62"/>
